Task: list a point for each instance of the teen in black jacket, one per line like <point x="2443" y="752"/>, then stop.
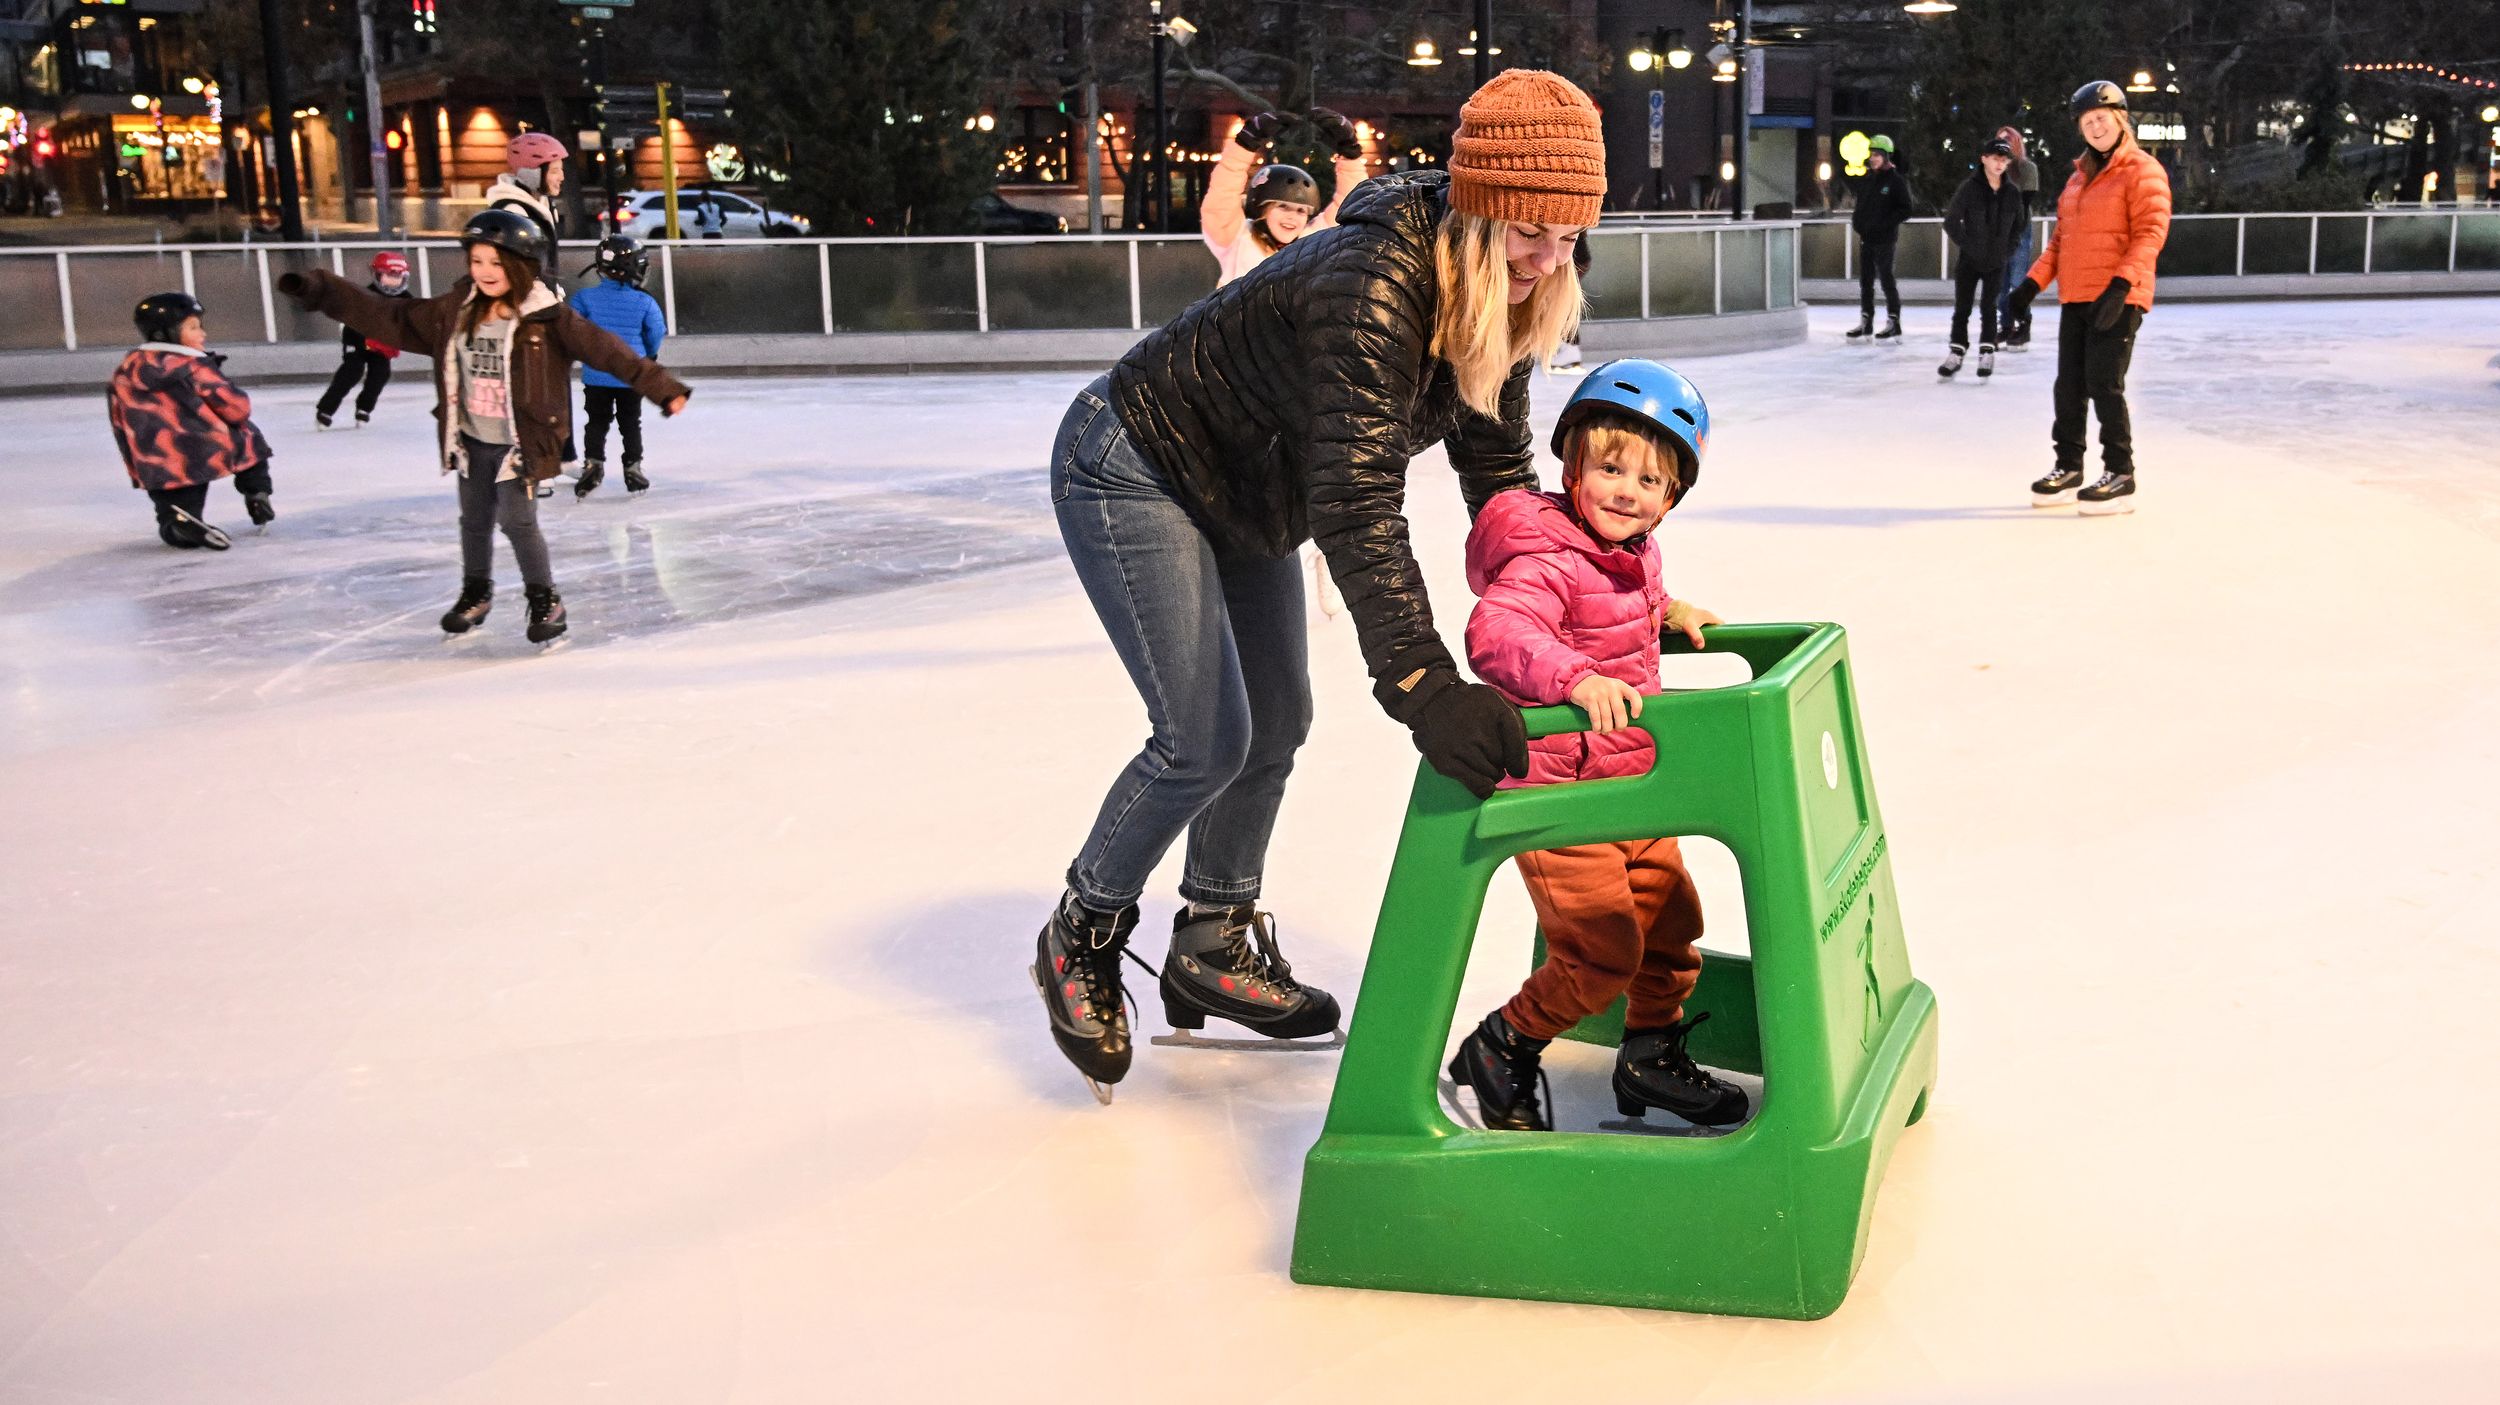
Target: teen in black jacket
<point x="1985" y="221"/>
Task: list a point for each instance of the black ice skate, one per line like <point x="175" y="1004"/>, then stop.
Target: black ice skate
<point x="1226" y="964"/>
<point x="2019" y="338"/>
<point x="2058" y="489"/>
<point x="321" y="420"/>
<point x="179" y="528"/>
<point x="363" y="418"/>
<point x="1653" y="1070"/>
<point x="594" y="472"/>
<point x="477" y="596"/>
<point x="1507" y="1071"/>
<point x="634" y="481"/>
<point x="2113" y="493"/>
<point x="1952" y="363"/>
<point x="257" y="506"/>
<point x="1891" y="331"/>
<point x="546" y="614"/>
<point x="1987" y="361"/>
<point x="1864" y="329"/>
<point x="1076" y="967"/>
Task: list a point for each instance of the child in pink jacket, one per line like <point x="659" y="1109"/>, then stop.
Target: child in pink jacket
<point x="1570" y="610"/>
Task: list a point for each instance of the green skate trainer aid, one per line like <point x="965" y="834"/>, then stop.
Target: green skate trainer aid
<point x="1769" y="1220"/>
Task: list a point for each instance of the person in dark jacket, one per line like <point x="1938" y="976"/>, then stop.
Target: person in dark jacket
<point x="617" y="305"/>
<point x="2026" y="177"/>
<point x="1288" y="405"/>
<point x="361" y="358"/>
<point x="1984" y="220"/>
<point x="181" y="425"/>
<point x="1884" y="204"/>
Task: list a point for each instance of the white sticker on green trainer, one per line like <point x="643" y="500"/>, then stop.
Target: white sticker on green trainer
<point x="1831" y="763"/>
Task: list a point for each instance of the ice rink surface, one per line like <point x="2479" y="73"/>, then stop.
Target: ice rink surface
<point x="384" y="1020"/>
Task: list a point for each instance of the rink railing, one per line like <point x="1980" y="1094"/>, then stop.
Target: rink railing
<point x="62" y="298"/>
<point x="2225" y="246"/>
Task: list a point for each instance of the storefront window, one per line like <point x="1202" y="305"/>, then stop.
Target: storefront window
<point x="184" y="161"/>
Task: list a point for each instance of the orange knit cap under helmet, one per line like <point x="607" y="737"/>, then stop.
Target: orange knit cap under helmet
<point x="1529" y="150"/>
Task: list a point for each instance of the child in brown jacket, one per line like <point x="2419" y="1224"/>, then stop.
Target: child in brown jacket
<point x="503" y="345"/>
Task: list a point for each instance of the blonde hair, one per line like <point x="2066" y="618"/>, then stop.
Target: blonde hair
<point x="1476" y="329"/>
<point x="1603" y="436"/>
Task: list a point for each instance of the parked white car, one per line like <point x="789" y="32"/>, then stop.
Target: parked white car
<point x="703" y="214"/>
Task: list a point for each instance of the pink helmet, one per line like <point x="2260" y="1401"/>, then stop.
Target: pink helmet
<point x="390" y="262"/>
<point x="531" y="150"/>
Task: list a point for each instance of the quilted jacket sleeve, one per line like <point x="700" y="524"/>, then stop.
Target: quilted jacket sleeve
<point x="2148" y="223"/>
<point x="1351" y="172"/>
<point x="1495" y="455"/>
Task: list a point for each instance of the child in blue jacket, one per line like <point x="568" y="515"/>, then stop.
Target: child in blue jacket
<point x="618" y="305"/>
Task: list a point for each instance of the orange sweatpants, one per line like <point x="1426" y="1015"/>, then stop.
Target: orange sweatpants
<point x="1618" y="918"/>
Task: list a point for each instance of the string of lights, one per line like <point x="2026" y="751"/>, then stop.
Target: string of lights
<point x="2463" y="80"/>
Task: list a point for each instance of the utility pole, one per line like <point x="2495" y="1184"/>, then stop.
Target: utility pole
<point x="1093" y="122"/>
<point x="1159" y="186"/>
<point x="373" y="122"/>
<point x="281" y="121"/>
<point x="1484" y="42"/>
<point x="599" y="112"/>
<point x="1738" y="209"/>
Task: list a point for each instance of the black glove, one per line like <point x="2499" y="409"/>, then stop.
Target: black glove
<point x="1473" y="735"/>
<point x="2110" y="305"/>
<point x="1338" y="132"/>
<point x="1257" y="133"/>
<point x="2019" y="302"/>
<point x="293" y="285"/>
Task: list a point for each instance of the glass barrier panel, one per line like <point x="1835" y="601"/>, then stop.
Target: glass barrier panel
<point x="903" y="288"/>
<point x="105" y="287"/>
<point x="30" y="288"/>
<point x="756" y="287"/>
<point x="1058" y="285"/>
<point x="1783" y="267"/>
<point x="226" y="280"/>
<point x="2478" y="241"/>
<point x="2277" y="244"/>
<point x="1679" y="273"/>
<point x="1740" y="270"/>
<point x="2409" y="244"/>
<point x="1170" y="277"/>
<point x="1920" y="253"/>
<point x="1613" y="282"/>
<point x="2200" y="248"/>
<point x="2342" y="239"/>
<point x="1826" y="250"/>
<point x="294" y="323"/>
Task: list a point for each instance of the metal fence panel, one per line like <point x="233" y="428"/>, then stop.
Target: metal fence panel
<point x="1170" y="276"/>
<point x="2409" y="244"/>
<point x="769" y="288"/>
<point x="1059" y="285"/>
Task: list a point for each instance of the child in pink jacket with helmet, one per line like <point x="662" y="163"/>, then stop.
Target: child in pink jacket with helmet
<point x="1570" y="610"/>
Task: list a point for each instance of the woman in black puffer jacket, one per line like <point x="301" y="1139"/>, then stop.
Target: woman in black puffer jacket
<point x="1286" y="406"/>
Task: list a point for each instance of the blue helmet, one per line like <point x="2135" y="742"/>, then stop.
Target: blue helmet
<point x="1646" y="391"/>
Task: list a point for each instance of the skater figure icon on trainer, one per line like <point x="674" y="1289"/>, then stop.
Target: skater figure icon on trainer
<point x="503" y="348"/>
<point x="1984" y="221"/>
<point x="181" y="425"/>
<point x="2112" y="219"/>
<point x="1287" y="404"/>
<point x="617" y="305"/>
<point x="362" y="358"/>
<point x="1570" y="608"/>
<point x="1883" y="205"/>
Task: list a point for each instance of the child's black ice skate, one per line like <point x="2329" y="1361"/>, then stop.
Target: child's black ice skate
<point x="1226" y="964"/>
<point x="1864" y="329"/>
<point x="257" y="505"/>
<point x="179" y="528"/>
<point x="1653" y="1070"/>
<point x="1987" y="361"/>
<point x="1891" y="331"/>
<point x="1507" y="1071"/>
<point x="546" y="615"/>
<point x="477" y="596"/>
<point x="634" y="481"/>
<point x="1952" y="363"/>
<point x="594" y="473"/>
<point x="1076" y="967"/>
<point x="363" y="418"/>
<point x="321" y="420"/>
<point x="2109" y="495"/>
<point x="2058" y="488"/>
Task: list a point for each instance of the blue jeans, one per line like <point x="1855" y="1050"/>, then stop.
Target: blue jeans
<point x="1219" y="649"/>
<point x="2015" y="268"/>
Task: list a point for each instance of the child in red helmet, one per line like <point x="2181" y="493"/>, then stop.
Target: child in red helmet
<point x="361" y="358"/>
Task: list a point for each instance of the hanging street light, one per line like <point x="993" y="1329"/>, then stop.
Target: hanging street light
<point x="1924" y="8"/>
<point x="1678" y="56"/>
<point x="2141" y="83"/>
<point x="1425" y="56"/>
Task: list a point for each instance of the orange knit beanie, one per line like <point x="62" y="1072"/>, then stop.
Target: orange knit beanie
<point x="1529" y="150"/>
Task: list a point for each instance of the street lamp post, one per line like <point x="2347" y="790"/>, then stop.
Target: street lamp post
<point x="1744" y="103"/>
<point x="373" y="122"/>
<point x="1484" y="42"/>
<point x="281" y="121"/>
<point x="1159" y="185"/>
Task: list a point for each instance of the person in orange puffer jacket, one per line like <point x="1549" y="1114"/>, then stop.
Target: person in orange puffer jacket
<point x="2112" y="220"/>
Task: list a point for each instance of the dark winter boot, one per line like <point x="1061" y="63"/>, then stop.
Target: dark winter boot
<point x="634" y="481"/>
<point x="1864" y="329"/>
<point x="257" y="505"/>
<point x="1652" y="1070"/>
<point x="179" y="528"/>
<point x="1507" y="1071"/>
<point x="1076" y="967"/>
<point x="1952" y="363"/>
<point x="1226" y="964"/>
<point x="477" y="596"/>
<point x="594" y="472"/>
<point x="2111" y="494"/>
<point x="2058" y="489"/>
<point x="1892" y="329"/>
<point x="546" y="614"/>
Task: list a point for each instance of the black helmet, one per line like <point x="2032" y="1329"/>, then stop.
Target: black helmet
<point x="621" y="257"/>
<point x="502" y="229"/>
<point x="160" y="315"/>
<point x="1280" y="185"/>
<point x="2100" y="92"/>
